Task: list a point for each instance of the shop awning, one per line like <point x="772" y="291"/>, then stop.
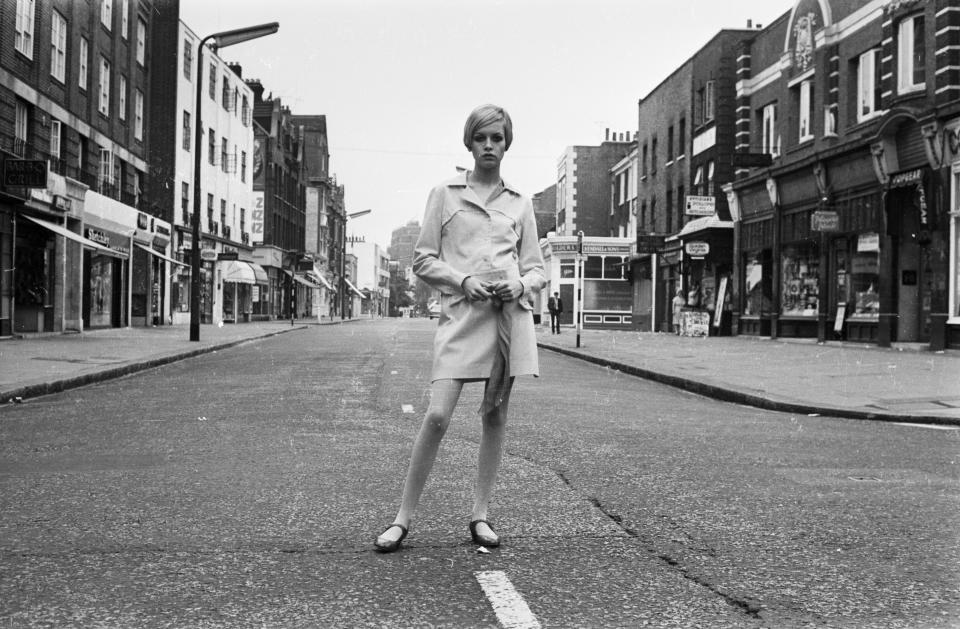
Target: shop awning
<point x="704" y="223"/>
<point x="260" y="273"/>
<point x="299" y="279"/>
<point x="320" y="279"/>
<point x="354" y="288"/>
<point x="66" y="233"/>
<point x="239" y="272"/>
<point x="160" y="255"/>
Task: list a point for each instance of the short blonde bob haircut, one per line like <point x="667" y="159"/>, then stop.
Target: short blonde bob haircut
<point x="484" y="115"/>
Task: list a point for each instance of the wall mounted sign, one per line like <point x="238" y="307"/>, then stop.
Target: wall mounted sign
<point x="697" y="249"/>
<point x="825" y="221"/>
<point x="700" y="205"/>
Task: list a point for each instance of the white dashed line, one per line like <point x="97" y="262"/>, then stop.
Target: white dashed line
<point x="933" y="426"/>
<point x="511" y="610"/>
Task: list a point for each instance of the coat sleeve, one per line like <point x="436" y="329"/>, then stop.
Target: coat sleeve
<point x="427" y="264"/>
<point x="530" y="259"/>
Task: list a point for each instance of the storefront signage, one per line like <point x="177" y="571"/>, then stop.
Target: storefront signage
<point x="700" y="205"/>
<point x="598" y="248"/>
<point x="841" y="315"/>
<point x="62" y="203"/>
<point x="648" y="243"/>
<point x="906" y="178"/>
<point x="208" y="254"/>
<point x="563" y="247"/>
<point x="694" y="323"/>
<point x="721" y="298"/>
<point x="107" y="239"/>
<point x="697" y="249"/>
<point x="750" y="160"/>
<point x="825" y="221"/>
<point x="868" y="242"/>
<point x="25" y="173"/>
<point x="162" y="229"/>
<point x="228" y="255"/>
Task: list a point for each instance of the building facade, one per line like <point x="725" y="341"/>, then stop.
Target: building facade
<point x="233" y="287"/>
<point x="78" y="248"/>
<point x="372" y="278"/>
<point x="849" y="233"/>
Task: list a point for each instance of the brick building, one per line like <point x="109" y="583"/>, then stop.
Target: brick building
<point x="77" y="245"/>
<point x="545" y="210"/>
<point x="849" y="233"/>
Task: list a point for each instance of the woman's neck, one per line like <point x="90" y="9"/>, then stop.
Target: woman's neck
<point x="484" y="176"/>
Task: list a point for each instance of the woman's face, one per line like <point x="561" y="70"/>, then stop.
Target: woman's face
<point x="488" y="145"/>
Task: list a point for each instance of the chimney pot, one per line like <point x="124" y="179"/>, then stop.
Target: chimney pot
<point x="749" y="23"/>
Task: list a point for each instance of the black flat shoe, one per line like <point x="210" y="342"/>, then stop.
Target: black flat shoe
<point x="483" y="541"/>
<point x="389" y="547"/>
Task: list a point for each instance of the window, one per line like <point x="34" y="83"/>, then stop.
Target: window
<point x="227" y="93"/>
<point x="710" y="173"/>
<point x="800" y="290"/>
<point x="209" y="208"/>
<point x="708" y="101"/>
<point x="682" y="138"/>
<point x="865" y="276"/>
<point x="185" y="202"/>
<point x="23" y="38"/>
<point x="106" y="170"/>
<point x="83" y="153"/>
<point x="138" y="116"/>
<point x="122" y="113"/>
<point x="653" y="155"/>
<point x="84" y="56"/>
<point x="757" y="298"/>
<point x="106" y="13"/>
<point x="911" y="57"/>
<point x="770" y="143"/>
<point x="124" y="18"/>
<point x="213" y="81"/>
<point x="243" y="166"/>
<point x="141" y="42"/>
<point x="187" y="59"/>
<point x="805" y="111"/>
<point x="223" y="212"/>
<point x="104" y="107"/>
<point x="245" y="116"/>
<point x="643" y="162"/>
<point x="58" y="47"/>
<point x="224" y="165"/>
<point x="868" y="85"/>
<point x="186" y="131"/>
<point x="211" y="146"/>
<point x="669" y="144"/>
<point x="137" y="190"/>
<point x="56" y="132"/>
<point x="21" y="127"/>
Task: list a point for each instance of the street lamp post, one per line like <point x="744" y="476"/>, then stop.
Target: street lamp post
<point x="343" y="263"/>
<point x="220" y="40"/>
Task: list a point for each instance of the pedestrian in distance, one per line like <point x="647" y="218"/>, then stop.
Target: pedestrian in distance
<point x="555" y="306"/>
<point x="478" y="246"/>
<point x="678" y="303"/>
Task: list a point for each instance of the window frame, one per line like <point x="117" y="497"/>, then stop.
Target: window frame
<point x="122" y="99"/>
<point x="868" y="85"/>
<point x="805" y="111"/>
<point x="58" y="46"/>
<point x="83" y="74"/>
<point x="768" y="130"/>
<point x="124" y="19"/>
<point x="56" y="138"/>
<point x="138" y="115"/>
<point x="906" y="49"/>
<point x="106" y="14"/>
<point x="188" y="59"/>
<point x="141" y="42"/>
<point x="709" y="101"/>
<point x="103" y="100"/>
<point x="26" y="18"/>
<point x="186" y="129"/>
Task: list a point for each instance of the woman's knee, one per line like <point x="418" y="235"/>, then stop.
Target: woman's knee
<point x="436" y="421"/>
<point x="497" y="418"/>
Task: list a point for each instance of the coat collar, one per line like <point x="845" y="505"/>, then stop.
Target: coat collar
<point x="460" y="181"/>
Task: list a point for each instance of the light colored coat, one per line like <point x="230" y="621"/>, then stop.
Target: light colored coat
<point x="462" y="236"/>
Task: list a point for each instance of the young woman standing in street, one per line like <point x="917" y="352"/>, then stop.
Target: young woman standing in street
<point x="478" y="246"/>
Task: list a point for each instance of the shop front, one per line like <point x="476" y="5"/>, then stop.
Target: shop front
<point x="705" y="271"/>
<point x="952" y="141"/>
<point x="242" y="284"/>
<point x="106" y="279"/>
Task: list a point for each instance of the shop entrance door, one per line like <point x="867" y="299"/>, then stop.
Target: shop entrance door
<point x="567" y="296"/>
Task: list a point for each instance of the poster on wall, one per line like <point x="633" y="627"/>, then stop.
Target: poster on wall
<point x="695" y="323"/>
<point x="256" y="220"/>
<point x="721" y="296"/>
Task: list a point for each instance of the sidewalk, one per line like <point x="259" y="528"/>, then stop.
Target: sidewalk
<point x="903" y="383"/>
<point x="43" y="364"/>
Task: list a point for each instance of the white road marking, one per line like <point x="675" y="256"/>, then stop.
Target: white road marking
<point x="511" y="610"/>
<point x="407" y="408"/>
<point x="933" y="426"/>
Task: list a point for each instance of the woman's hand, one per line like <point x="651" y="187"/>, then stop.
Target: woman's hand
<point x="506" y="290"/>
<point x="475" y="290"/>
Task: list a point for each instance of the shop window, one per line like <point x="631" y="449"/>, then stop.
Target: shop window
<point x="865" y="276"/>
<point x="800" y="294"/>
<point x="756" y="286"/>
<point x="593" y="267"/>
<point x="613" y="268"/>
<point x="187" y="58"/>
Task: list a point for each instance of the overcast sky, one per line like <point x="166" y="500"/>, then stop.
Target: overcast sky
<point x="397" y="78"/>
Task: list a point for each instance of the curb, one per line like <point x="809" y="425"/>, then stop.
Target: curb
<point x="57" y="386"/>
<point x="726" y="394"/>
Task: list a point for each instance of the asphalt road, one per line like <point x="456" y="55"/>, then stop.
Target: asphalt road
<point x="245" y="487"/>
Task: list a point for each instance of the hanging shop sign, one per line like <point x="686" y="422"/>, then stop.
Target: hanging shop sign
<point x="697" y="249"/>
<point x="868" y="242"/>
<point x="825" y="221"/>
<point x="208" y="254"/>
<point x="701" y="205"/>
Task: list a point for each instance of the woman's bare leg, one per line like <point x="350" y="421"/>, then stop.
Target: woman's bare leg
<point x="443" y="399"/>
<point x="488" y="465"/>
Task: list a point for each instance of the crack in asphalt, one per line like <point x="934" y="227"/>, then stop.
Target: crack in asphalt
<point x="749" y="608"/>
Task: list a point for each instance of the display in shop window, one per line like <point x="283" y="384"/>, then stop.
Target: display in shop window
<point x="801" y="281"/>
